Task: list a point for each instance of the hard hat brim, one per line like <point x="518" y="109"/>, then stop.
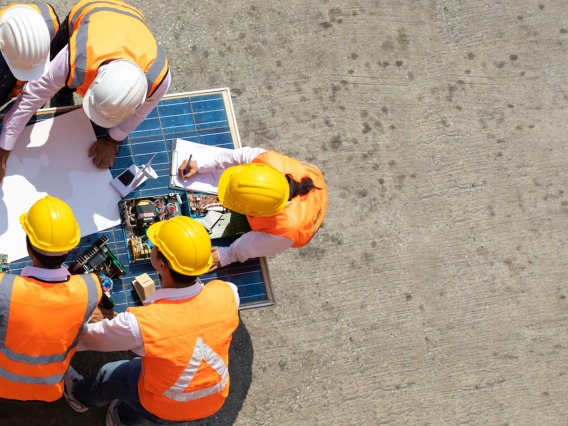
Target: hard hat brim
<point x="28" y="74"/>
<point x="95" y="116"/>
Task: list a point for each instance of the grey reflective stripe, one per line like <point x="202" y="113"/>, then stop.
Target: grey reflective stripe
<point x="155" y="70"/>
<point x="44" y="10"/>
<point x="6" y="285"/>
<point x="201" y="352"/>
<point x="81" y="43"/>
<point x="31" y="380"/>
<point x="41" y="359"/>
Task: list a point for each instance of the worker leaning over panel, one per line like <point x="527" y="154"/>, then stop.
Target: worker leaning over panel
<point x="182" y="337"/>
<point x="105" y="52"/>
<point x="43" y="310"/>
<point x="26" y="31"/>
<point x="284" y="199"/>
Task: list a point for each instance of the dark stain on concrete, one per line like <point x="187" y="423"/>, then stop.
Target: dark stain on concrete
<point x="366" y="128"/>
<point x="470" y="55"/>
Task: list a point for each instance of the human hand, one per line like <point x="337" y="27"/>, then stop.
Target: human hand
<point x="104" y="152"/>
<point x="184" y="173"/>
<point x="3" y="159"/>
<point x="100" y="314"/>
<point x="216" y="262"/>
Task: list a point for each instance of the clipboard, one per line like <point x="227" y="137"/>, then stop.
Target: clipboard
<point x="202" y="182"/>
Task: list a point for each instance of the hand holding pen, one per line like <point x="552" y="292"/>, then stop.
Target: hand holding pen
<point x="187" y="168"/>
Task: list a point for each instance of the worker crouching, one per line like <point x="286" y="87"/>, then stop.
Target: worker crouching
<point x="182" y="336"/>
<point x="284" y="200"/>
<point x="43" y="310"/>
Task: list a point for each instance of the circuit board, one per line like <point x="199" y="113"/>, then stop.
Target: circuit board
<point x="219" y="222"/>
<point x="4" y="264"/>
<point x="136" y="216"/>
<point x="99" y="260"/>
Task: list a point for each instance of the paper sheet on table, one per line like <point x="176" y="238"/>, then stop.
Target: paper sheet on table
<point x="202" y="182"/>
<point x="51" y="157"/>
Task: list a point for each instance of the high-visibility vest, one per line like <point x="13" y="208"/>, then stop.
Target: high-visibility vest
<point x="39" y="331"/>
<point x="50" y="17"/>
<point x="185" y="369"/>
<point x="303" y="215"/>
<point x="101" y="31"/>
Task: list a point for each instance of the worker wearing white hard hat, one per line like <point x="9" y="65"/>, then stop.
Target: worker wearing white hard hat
<point x="94" y="54"/>
<point x="26" y="31"/>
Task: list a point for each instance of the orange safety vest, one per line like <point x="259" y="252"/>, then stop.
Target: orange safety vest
<point x="39" y="331"/>
<point x="102" y="31"/>
<point x="185" y="369"/>
<point x="50" y="17"/>
<point x="302" y="217"/>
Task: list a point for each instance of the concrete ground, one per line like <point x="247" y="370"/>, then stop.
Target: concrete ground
<point x="436" y="291"/>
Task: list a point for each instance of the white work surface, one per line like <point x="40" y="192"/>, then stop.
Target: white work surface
<point x="51" y="157"/>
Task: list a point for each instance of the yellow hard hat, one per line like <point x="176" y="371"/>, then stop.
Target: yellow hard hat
<point x="254" y="189"/>
<point x="51" y="226"/>
<point x="185" y="244"/>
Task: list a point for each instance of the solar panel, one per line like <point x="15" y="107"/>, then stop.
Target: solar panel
<point x="205" y="117"/>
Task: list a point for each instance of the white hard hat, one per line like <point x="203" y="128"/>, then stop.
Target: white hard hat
<point x="24" y="41"/>
<point x="114" y="96"/>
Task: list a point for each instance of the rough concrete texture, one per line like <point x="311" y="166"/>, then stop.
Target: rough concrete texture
<point x="436" y="291"/>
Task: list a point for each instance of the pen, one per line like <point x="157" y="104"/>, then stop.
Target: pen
<point x="187" y="167"/>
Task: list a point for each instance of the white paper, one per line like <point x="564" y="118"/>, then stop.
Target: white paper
<point x="51" y="157"/>
<point x="202" y="182"/>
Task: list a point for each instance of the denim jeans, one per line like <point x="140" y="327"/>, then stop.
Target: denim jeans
<point x="117" y="380"/>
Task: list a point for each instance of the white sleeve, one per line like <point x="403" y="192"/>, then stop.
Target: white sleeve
<point x="121" y="131"/>
<point x="236" y="291"/>
<point x="121" y="333"/>
<point x="35" y="94"/>
<point x="231" y="158"/>
<point x="253" y="244"/>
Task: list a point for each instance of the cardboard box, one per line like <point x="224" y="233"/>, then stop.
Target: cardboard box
<point x="144" y="286"/>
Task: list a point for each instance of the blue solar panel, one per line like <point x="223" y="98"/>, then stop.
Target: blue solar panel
<point x="203" y="117"/>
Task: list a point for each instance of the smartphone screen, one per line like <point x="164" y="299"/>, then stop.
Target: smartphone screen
<point x="126" y="177"/>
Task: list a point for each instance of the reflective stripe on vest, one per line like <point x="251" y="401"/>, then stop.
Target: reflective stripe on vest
<point x="49" y="16"/>
<point x="202" y="352"/>
<point x="81" y="64"/>
<point x="6" y="285"/>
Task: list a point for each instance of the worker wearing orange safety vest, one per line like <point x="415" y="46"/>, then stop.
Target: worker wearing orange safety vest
<point x="105" y="52"/>
<point x="285" y="200"/>
<point x="182" y="336"/>
<point x="43" y="310"/>
<point x="24" y="42"/>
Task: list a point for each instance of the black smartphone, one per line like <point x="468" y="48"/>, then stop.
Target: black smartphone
<point x="126" y="177"/>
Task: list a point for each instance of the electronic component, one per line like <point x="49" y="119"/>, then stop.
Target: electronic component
<point x="4" y="264"/>
<point x="137" y="214"/>
<point x="99" y="260"/>
<point x="219" y="221"/>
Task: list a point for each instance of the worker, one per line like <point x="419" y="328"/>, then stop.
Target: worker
<point x="43" y="310"/>
<point x="181" y="336"/>
<point x="284" y="199"/>
<point x="109" y="56"/>
<point x="26" y="31"/>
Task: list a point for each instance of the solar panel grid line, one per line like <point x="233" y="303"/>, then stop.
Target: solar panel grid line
<point x="156" y="134"/>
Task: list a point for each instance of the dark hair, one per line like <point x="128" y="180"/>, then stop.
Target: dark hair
<point x="300" y="188"/>
<point x="187" y="280"/>
<point x="47" y="262"/>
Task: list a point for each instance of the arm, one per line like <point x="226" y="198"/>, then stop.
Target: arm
<point x="35" y="94"/>
<point x="222" y="161"/>
<point x="119" y="334"/>
<point x="252" y="244"/>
